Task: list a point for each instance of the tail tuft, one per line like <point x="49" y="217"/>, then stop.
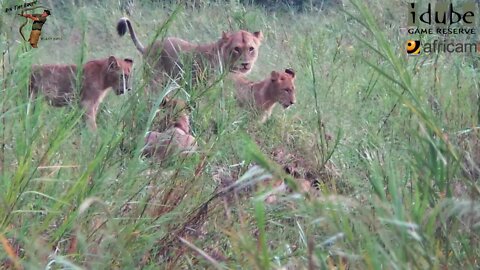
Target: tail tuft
<point x="122" y="26"/>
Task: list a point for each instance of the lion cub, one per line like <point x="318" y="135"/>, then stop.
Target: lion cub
<point x="58" y="83"/>
<point x="168" y="113"/>
<point x="174" y="140"/>
<point x="303" y="185"/>
<point x="263" y="95"/>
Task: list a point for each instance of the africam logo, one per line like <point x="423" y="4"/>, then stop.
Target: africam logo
<point x="413" y="47"/>
<point x="416" y="47"/>
<point x="38" y="20"/>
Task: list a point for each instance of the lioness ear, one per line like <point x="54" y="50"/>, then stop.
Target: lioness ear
<point x="290" y="71"/>
<point x="112" y="63"/>
<point x="225" y="35"/>
<point x="274" y="76"/>
<point x="258" y="35"/>
<point x="128" y="60"/>
<point x="165" y="101"/>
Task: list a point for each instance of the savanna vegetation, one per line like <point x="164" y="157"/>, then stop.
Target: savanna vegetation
<point x="389" y="143"/>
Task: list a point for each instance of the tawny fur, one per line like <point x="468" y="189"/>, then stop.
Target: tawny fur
<point x="236" y="52"/>
<point x="169" y="111"/>
<point x="303" y="185"/>
<point x="58" y="83"/>
<point x="175" y="140"/>
<point x="262" y="96"/>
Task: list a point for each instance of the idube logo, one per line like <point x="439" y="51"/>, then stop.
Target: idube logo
<point x="443" y="19"/>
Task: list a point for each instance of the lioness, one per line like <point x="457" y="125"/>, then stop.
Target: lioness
<point x="58" y="83"/>
<point x="175" y="140"/>
<point x="236" y="52"/>
<point x="263" y="95"/>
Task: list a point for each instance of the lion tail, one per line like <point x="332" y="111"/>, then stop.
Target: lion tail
<point x="122" y="26"/>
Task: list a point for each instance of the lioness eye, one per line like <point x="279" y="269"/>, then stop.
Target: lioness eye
<point x="251" y="49"/>
<point x="237" y="49"/>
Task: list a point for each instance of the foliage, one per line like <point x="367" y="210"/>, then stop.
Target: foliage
<point x="398" y="183"/>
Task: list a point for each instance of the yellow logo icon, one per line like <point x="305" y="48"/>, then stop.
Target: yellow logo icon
<point x="413" y="47"/>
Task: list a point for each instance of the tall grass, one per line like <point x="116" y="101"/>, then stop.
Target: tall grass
<point x="395" y="188"/>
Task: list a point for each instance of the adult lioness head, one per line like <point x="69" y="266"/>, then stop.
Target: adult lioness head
<point x="283" y="83"/>
<point x="240" y="50"/>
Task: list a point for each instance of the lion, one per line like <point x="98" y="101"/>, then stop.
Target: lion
<point x="175" y="140"/>
<point x="236" y="52"/>
<point x="168" y="113"/>
<point x="263" y="95"/>
<point x="278" y="186"/>
<point x="58" y="83"/>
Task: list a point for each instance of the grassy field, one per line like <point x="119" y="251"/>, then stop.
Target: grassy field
<point x="397" y="183"/>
